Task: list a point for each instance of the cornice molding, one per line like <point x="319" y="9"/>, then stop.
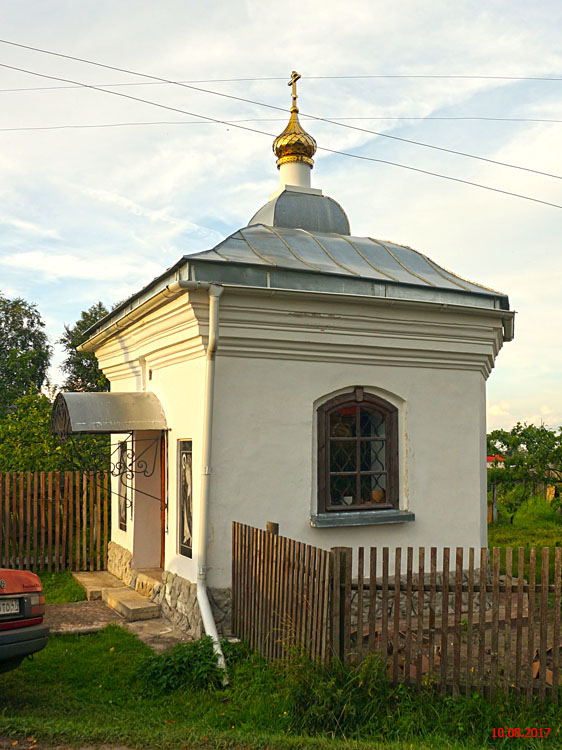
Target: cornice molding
<point x="372" y="356"/>
<point x="395" y="335"/>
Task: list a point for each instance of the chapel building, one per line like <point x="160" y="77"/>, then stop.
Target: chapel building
<point x="299" y="374"/>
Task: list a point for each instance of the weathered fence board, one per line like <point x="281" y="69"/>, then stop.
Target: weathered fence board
<point x="40" y="523"/>
<point x="463" y="624"/>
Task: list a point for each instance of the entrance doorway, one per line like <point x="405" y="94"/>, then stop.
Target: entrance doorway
<point x="150" y="503"/>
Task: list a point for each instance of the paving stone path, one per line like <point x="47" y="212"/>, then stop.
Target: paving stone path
<point x="80" y="618"/>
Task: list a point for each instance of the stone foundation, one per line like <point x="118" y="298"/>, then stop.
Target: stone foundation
<point x="487" y="599"/>
<point x="177" y="598"/>
<point x="119" y="562"/>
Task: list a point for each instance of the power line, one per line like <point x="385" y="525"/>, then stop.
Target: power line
<point x="255" y="80"/>
<point x="445" y="177"/>
<point x="270" y="135"/>
<point x="130" y="83"/>
<point x="451" y="76"/>
<point x="232" y="122"/>
<point x="262" y="104"/>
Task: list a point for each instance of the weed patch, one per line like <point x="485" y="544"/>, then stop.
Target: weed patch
<point x="358" y="701"/>
<point x="191" y="666"/>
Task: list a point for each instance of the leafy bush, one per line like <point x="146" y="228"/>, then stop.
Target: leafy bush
<point x="235" y="652"/>
<point x="539" y="511"/>
<point x="511" y="500"/>
<point x="191" y="665"/>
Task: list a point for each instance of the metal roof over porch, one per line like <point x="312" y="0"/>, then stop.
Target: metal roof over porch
<point x="80" y="413"/>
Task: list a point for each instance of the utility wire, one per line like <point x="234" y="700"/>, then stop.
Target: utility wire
<point x="445" y="177"/>
<point x="325" y="77"/>
<point x="252" y="119"/>
<point x="270" y="135"/>
<point x="271" y="106"/>
<point x="241" y="80"/>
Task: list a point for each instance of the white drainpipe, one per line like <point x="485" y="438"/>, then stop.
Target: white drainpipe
<point x="202" y="595"/>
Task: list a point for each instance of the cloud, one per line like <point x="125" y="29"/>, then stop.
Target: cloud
<point x="502" y="409"/>
<point x="56" y="266"/>
<point x="153" y="215"/>
<point x="28" y="227"/>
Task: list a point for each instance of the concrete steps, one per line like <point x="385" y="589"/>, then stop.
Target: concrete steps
<point x="130" y="604"/>
<point x="133" y="604"/>
<point x="147" y="580"/>
<point x="95" y="583"/>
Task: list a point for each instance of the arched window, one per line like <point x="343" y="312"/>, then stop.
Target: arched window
<point x="357" y="454"/>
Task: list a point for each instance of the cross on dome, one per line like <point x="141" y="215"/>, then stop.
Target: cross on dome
<point x="293" y="82"/>
<point x="294" y="144"/>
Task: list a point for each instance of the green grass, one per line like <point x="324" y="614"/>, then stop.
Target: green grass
<point x="92" y="689"/>
<point x="61" y="587"/>
<point x="536" y="524"/>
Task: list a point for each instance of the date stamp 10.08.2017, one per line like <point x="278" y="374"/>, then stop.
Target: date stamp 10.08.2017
<point x="520" y="732"/>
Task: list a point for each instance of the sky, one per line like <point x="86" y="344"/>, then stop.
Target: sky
<point x="94" y="213"/>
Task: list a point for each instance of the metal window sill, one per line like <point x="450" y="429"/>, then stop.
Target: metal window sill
<point x="361" y="518"/>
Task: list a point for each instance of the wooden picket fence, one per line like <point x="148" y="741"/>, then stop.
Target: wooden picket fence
<point x="472" y="623"/>
<point x="271" y="577"/>
<point x="54" y="520"/>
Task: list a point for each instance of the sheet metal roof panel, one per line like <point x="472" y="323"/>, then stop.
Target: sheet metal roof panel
<point x="328" y="254"/>
<point x="260" y="245"/>
<point x="234" y="249"/>
<point x="344" y="254"/>
<point x="298" y="280"/>
<point x="377" y="256"/>
<point x="106" y="413"/>
<point x="307" y="248"/>
<point x="295" y="209"/>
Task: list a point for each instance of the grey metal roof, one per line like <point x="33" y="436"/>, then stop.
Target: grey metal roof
<point x="300" y="210"/>
<point x="274" y="256"/>
<point x="106" y="413"/>
<point x="282" y="257"/>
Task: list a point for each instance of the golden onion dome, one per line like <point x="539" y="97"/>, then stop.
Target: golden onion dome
<point x="294" y="143"/>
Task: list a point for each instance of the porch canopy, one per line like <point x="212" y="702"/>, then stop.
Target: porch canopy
<point x="81" y="413"/>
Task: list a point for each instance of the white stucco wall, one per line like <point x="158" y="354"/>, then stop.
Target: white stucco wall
<point x="280" y="355"/>
<point x="264" y="466"/>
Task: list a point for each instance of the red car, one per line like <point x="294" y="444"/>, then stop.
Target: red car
<point x="22" y="606"/>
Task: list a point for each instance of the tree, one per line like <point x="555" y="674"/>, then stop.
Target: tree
<point x="533" y="456"/>
<point x="81" y="367"/>
<point x="25" y="352"/>
<point x="26" y="442"/>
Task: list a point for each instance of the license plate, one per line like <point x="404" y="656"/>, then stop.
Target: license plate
<point x="9" y="606"/>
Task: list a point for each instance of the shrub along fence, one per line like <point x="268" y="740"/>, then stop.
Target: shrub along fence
<point x="472" y="623"/>
<point x="54" y="520"/>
